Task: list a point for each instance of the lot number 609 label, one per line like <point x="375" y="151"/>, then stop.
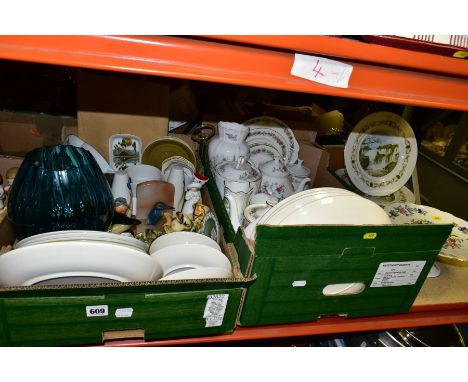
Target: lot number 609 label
<point x="97" y="311"/>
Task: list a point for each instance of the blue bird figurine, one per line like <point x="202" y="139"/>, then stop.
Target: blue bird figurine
<point x="156" y="213"/>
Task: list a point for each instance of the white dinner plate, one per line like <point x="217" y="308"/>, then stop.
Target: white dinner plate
<point x="455" y="249"/>
<point x="177" y="258"/>
<point x="36" y="264"/>
<point x="380" y="154"/>
<point x="200" y="274"/>
<point x="82" y="235"/>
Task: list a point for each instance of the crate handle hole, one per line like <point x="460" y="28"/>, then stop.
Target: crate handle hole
<point x="344" y="289"/>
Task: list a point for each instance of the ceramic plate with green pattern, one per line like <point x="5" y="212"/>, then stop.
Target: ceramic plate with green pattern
<point x="380" y="154"/>
<point x="455" y="249"/>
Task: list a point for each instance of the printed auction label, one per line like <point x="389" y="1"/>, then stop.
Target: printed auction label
<point x="396" y="274"/>
<point x="214" y="309"/>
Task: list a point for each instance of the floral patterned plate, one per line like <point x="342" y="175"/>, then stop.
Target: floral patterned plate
<point x="277" y="130"/>
<point x="455" y="249"/>
<point x="261" y="140"/>
<point x="380" y="154"/>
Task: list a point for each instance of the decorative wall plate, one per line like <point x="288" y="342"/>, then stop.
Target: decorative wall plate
<point x="275" y="128"/>
<point x="380" y="154"/>
<point x="455" y="249"/>
<point x="124" y="151"/>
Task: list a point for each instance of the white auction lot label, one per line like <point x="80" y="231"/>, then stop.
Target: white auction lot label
<point x="396" y="274"/>
<point x="214" y="309"/>
<point x="322" y="70"/>
<point x="97" y="310"/>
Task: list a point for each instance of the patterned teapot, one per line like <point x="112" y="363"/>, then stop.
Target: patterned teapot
<point x="277" y="180"/>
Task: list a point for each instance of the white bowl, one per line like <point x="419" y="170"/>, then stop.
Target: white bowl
<point x="176" y="258"/>
<point x="182" y="238"/>
<point x="143" y="172"/>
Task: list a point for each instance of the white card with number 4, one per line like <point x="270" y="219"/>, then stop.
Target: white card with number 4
<point x="322" y="70"/>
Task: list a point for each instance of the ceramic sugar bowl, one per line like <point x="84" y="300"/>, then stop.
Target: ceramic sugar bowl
<point x="277" y="180"/>
<point x="238" y="176"/>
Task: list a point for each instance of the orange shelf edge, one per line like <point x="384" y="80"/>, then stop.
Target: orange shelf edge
<point x="419" y="316"/>
<point x="187" y="58"/>
<point x="355" y="50"/>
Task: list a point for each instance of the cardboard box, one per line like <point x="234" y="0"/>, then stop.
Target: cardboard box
<point x="111" y="104"/>
<point x="57" y="315"/>
<point x="23" y="132"/>
<point x="293" y="264"/>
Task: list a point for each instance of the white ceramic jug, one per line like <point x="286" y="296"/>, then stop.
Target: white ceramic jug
<point x="229" y="144"/>
<point x="235" y="203"/>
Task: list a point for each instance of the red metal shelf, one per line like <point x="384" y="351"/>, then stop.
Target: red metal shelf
<point x="419" y="316"/>
<point x="357" y="51"/>
<point x="446" y="87"/>
<point x="188" y="58"/>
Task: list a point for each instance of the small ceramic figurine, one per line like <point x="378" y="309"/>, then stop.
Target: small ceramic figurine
<point x="199" y="214"/>
<point x="10" y="177"/>
<point x="121" y="206"/>
<point x="193" y="194"/>
<point x="181" y="222"/>
<point x="156" y="213"/>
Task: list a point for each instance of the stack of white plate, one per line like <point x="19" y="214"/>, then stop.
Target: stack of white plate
<point x="190" y="255"/>
<point x="326" y="205"/>
<point x="77" y="257"/>
<point x="320" y="206"/>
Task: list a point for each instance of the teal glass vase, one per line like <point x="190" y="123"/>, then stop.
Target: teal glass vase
<point x="59" y="188"/>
